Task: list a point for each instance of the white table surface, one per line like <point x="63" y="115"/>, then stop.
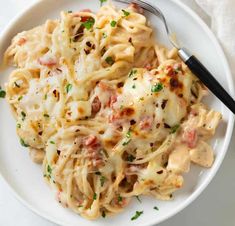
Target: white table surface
<point x="215" y="207"/>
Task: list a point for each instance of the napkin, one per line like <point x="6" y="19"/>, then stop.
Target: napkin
<point x="222" y="14"/>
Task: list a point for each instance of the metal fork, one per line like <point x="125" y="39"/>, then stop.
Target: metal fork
<point x="191" y="61"/>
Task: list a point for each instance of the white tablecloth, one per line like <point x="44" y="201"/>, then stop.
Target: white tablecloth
<point x="215" y="207"/>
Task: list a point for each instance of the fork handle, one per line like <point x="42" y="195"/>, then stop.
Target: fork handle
<point x="207" y="79"/>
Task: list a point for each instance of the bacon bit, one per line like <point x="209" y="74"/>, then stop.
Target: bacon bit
<point x="148" y="66"/>
<point x="47" y="61"/>
<point x="90" y="140"/>
<point x="190" y="138"/>
<point x="146" y="122"/>
<point x="136" y="8"/>
<point x="112" y="100"/>
<point x="21" y="41"/>
<point x="170" y="71"/>
<point x="96" y="105"/>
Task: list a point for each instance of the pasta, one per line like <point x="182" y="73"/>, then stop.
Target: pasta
<point x="110" y="113"/>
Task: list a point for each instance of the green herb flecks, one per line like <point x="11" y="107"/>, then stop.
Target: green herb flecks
<point x="89" y="23"/>
<point x="102" y="180"/>
<point x="126" y="142"/>
<point x="119" y="198"/>
<point x="174" y="128"/>
<point x="132" y="72"/>
<point x="2" y="93"/>
<point x="52" y="142"/>
<point x="20" y="98"/>
<point x="138" y="198"/>
<point x="134" y="86"/>
<point x="94" y="196"/>
<point x="113" y="23"/>
<point x="130" y="158"/>
<point x="69" y="87"/>
<point x="23" y="115"/>
<point x="137" y="214"/>
<point x="157" y="87"/>
<point x="155" y="208"/>
<point x="102" y="1"/>
<point x="109" y="60"/>
<point x="103" y="214"/>
<point x="22" y="142"/>
<point x="126" y="13"/>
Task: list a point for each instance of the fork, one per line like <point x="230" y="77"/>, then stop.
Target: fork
<point x="190" y="60"/>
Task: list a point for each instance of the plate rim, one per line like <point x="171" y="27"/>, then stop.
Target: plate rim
<point x="230" y="126"/>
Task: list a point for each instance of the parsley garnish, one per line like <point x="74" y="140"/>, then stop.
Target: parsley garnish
<point x="69" y="87"/>
<point x="18" y="125"/>
<point x="102" y="1"/>
<point x="156" y="88"/>
<point x="137" y="214"/>
<point x="128" y="134"/>
<point x="94" y="196"/>
<point x="20" y="98"/>
<point x="70" y="11"/>
<point x="109" y="60"/>
<point x="45" y="97"/>
<point x="17" y="85"/>
<point x="104" y="35"/>
<point x="89" y="23"/>
<point x="132" y="72"/>
<point x="138" y="198"/>
<point x="102" y="180"/>
<point x="2" y="93"/>
<point x="134" y="86"/>
<point x="52" y="142"/>
<point x="130" y="158"/>
<point x="155" y="207"/>
<point x="119" y="198"/>
<point x="49" y="169"/>
<point x="126" y="142"/>
<point x="174" y="128"/>
<point x="23" y="115"/>
<point x="125" y="12"/>
<point x="23" y="143"/>
<point x="113" y="23"/>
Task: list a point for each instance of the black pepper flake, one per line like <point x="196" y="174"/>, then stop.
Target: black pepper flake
<point x="166" y="126"/>
<point x="160" y="172"/>
<point x="87" y="51"/>
<point x="58" y="152"/>
<point x="40" y="133"/>
<point x="164" y="102"/>
<point x="174" y="83"/>
<point x="120" y="84"/>
<point x="77" y="130"/>
<point x="132" y="122"/>
<point x="151" y="144"/>
<point x="134" y="79"/>
<point x="158" y="125"/>
<point x="180" y="95"/>
<point x="157" y="105"/>
<point x="58" y="69"/>
<point x="88" y="44"/>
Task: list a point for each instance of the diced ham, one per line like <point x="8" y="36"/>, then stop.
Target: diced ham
<point x="136" y="8"/>
<point x="96" y="105"/>
<point x="47" y="60"/>
<point x="190" y="137"/>
<point x="146" y="122"/>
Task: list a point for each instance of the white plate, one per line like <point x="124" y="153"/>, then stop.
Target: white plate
<point x="25" y="178"/>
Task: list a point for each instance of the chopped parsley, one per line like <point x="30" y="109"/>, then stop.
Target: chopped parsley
<point x="20" y="98"/>
<point x="22" y="142"/>
<point x="49" y="171"/>
<point x="104" y="35"/>
<point x="23" y="115"/>
<point x="69" y="87"/>
<point x="132" y="72"/>
<point x="137" y="214"/>
<point x="45" y="97"/>
<point x="128" y="134"/>
<point x="89" y="23"/>
<point x="156" y="88"/>
<point x="2" y="93"/>
<point x="113" y="23"/>
<point x="130" y="158"/>
<point x="46" y="115"/>
<point x="17" y="85"/>
<point x="119" y="198"/>
<point x="155" y="208"/>
<point x="52" y="142"/>
<point x="138" y="198"/>
<point x="18" y="125"/>
<point x="102" y="1"/>
<point x="102" y="180"/>
<point x="174" y="128"/>
<point x="142" y="98"/>
<point x="70" y="11"/>
<point x="109" y="60"/>
<point x="98" y="173"/>
<point x="126" y="142"/>
<point x="94" y="196"/>
<point x="126" y="13"/>
<point x="134" y="86"/>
